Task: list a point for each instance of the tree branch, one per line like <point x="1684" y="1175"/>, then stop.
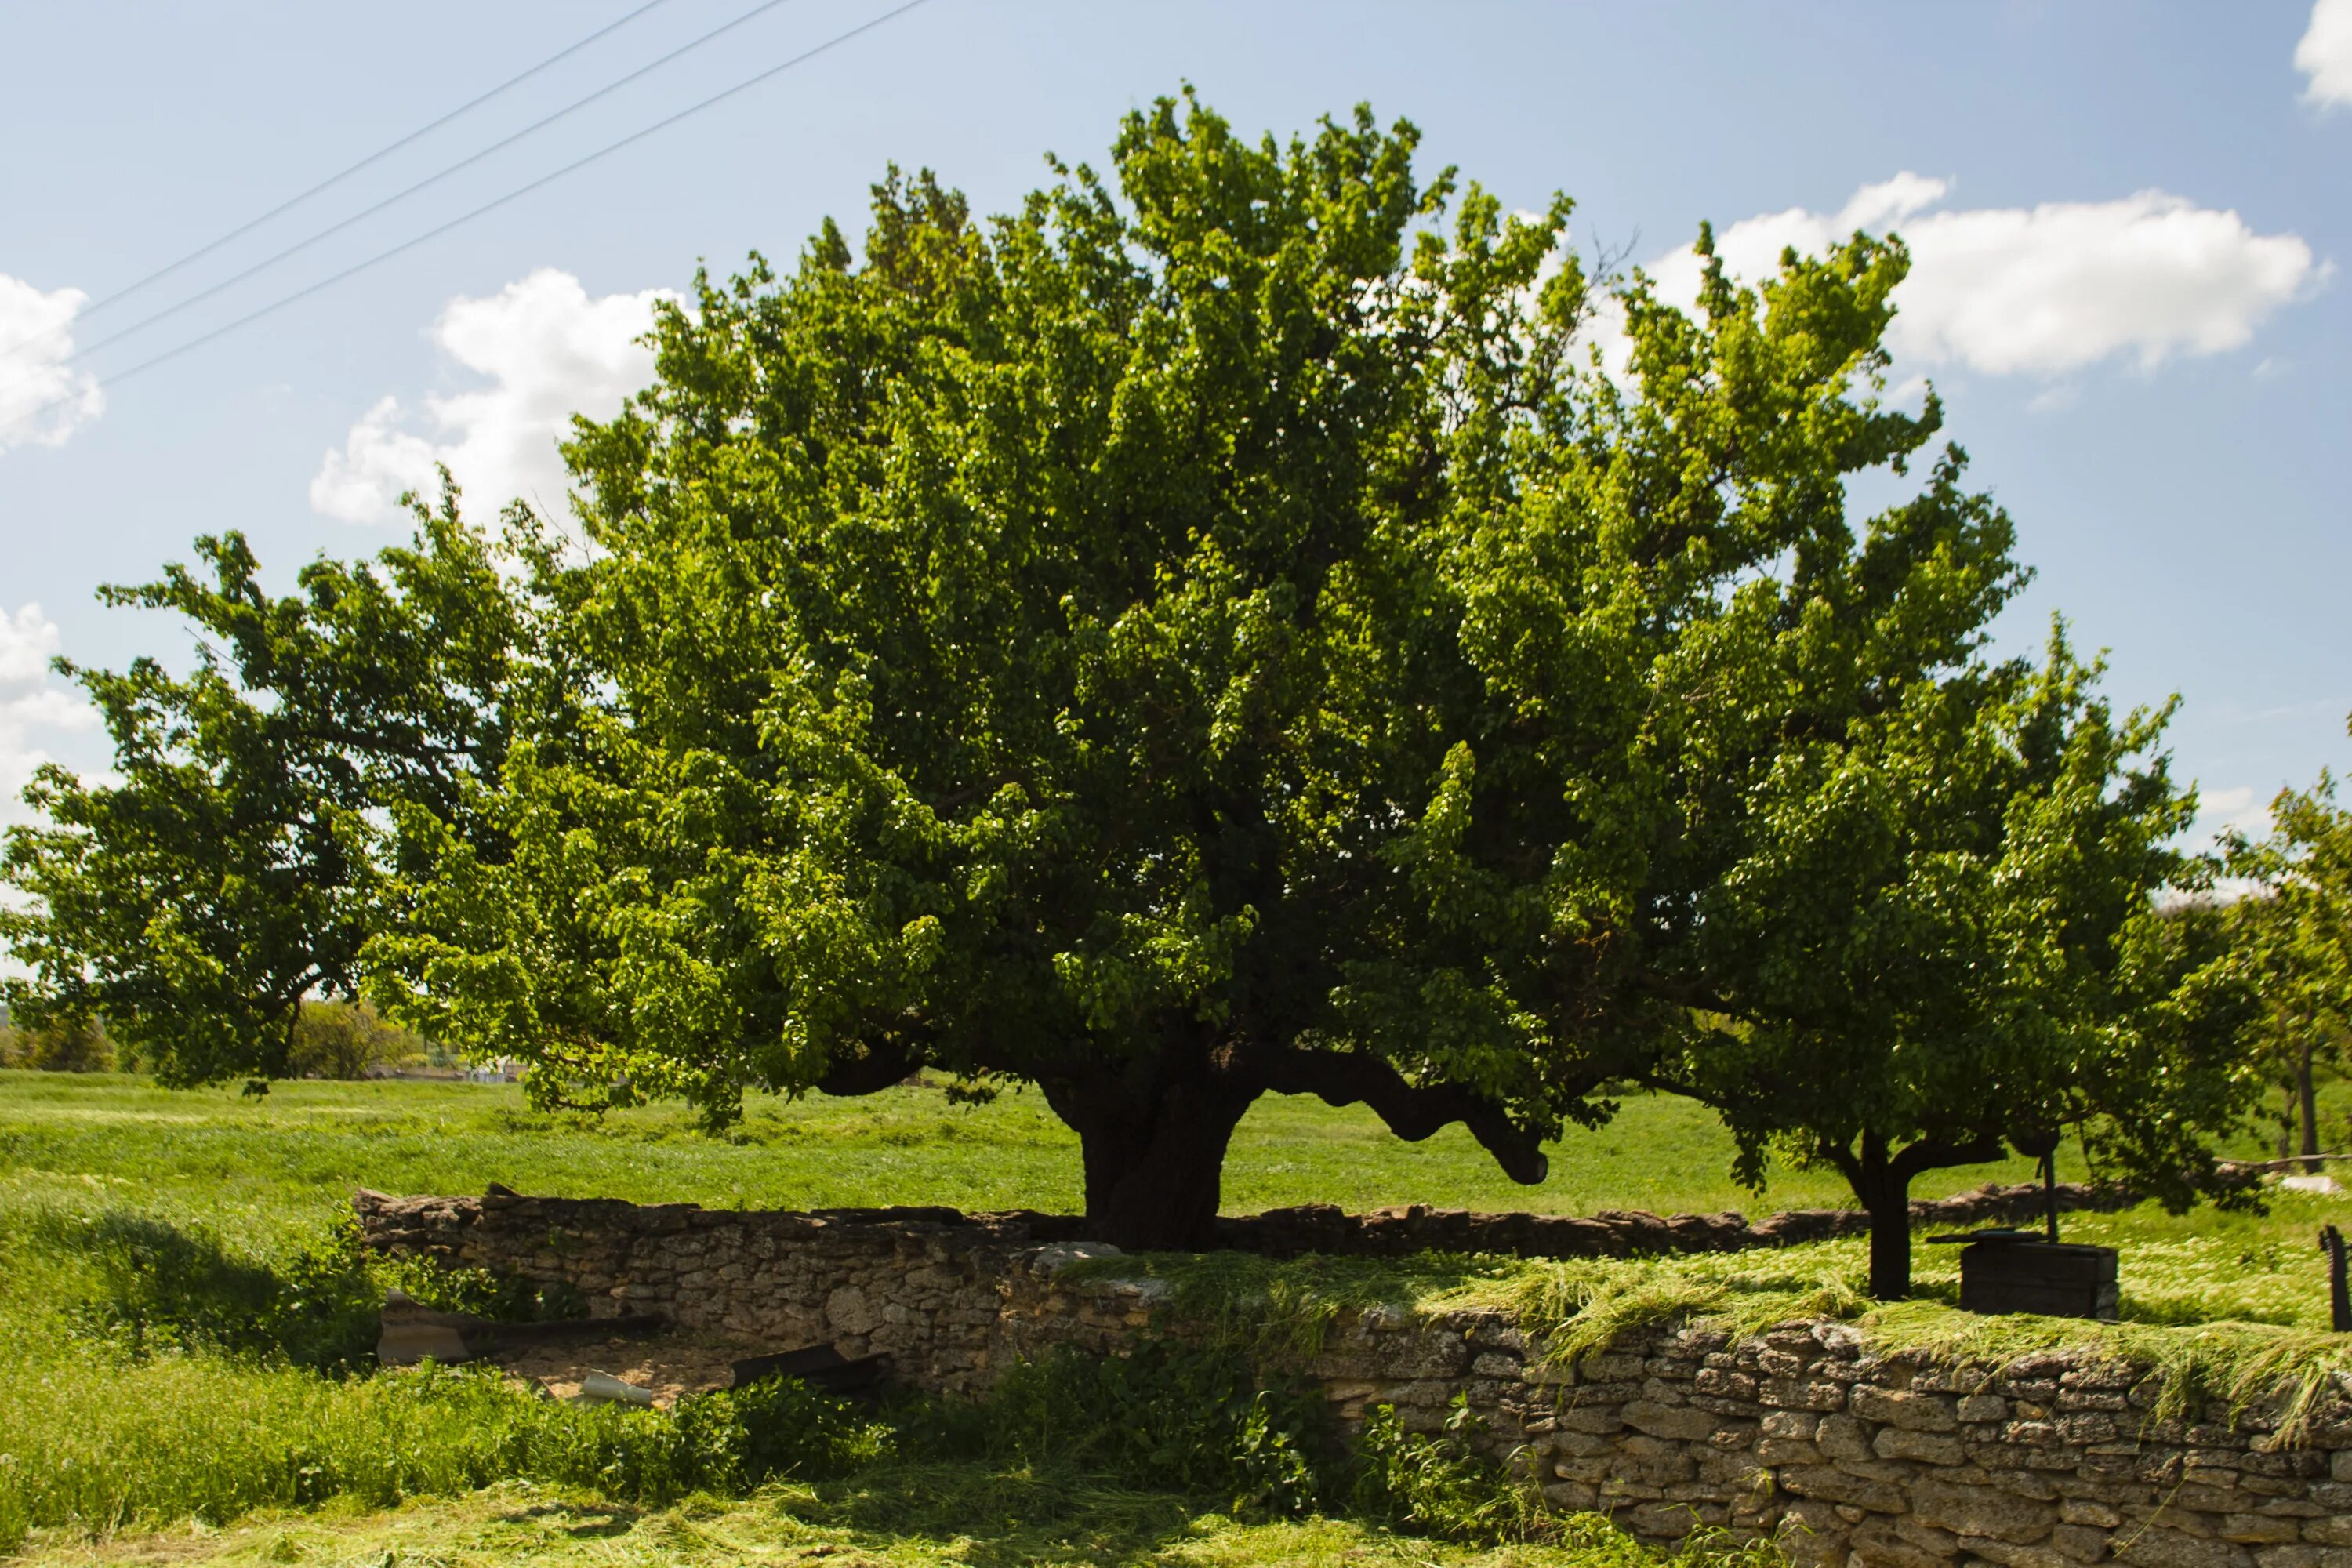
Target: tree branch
<point x="883" y="1063"/>
<point x="1936" y="1154"/>
<point x="1412" y="1112"/>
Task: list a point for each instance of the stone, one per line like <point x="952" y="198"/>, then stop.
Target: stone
<point x="1830" y="1484"/>
<point x="1844" y="1438"/>
<point x="1881" y="1543"/>
<point x="1928" y="1447"/>
<point x="2079" y="1543"/>
<point x="1910" y="1411"/>
<point x="1982" y="1510"/>
<point x="1679" y="1421"/>
<point x="2012" y="1556"/>
<point x="2158" y="1547"/>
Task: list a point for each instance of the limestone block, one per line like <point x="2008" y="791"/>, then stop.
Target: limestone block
<point x="1912" y="1411"/>
<point x="1982" y="1510"/>
<point x="1801" y="1393"/>
<point x="2079" y="1542"/>
<point x="2158" y="1547"/>
<point x="1679" y="1422"/>
<point x="1881" y="1543"/>
<point x="2010" y="1555"/>
<point x="1844" y="1438"/>
<point x="1928" y="1447"/>
<point x="1828" y="1483"/>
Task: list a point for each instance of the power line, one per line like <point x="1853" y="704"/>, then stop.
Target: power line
<point x="375" y="157"/>
<point x="519" y="191"/>
<point x="266" y="262"/>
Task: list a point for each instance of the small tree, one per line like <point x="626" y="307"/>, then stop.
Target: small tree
<point x="1945" y="938"/>
<point x="238" y="863"/>
<point x="342" y="1039"/>
<point x="2298" y="930"/>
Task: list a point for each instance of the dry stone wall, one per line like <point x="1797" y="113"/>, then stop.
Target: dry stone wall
<point x="1799" y="1432"/>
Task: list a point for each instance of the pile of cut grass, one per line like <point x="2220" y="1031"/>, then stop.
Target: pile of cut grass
<point x="2233" y="1307"/>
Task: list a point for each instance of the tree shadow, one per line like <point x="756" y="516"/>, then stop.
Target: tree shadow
<point x="1003" y="1518"/>
<point x="156" y="1285"/>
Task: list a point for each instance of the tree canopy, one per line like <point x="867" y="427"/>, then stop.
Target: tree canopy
<point x="1225" y="628"/>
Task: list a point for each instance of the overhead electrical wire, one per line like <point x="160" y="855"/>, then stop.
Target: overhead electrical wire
<point x="266" y="262"/>
<point x="375" y="157"/>
<point x="489" y="206"/>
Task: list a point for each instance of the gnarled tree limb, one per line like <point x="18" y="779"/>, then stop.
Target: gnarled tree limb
<point x="1412" y="1111"/>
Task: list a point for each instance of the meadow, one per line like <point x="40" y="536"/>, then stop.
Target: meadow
<point x="174" y="1298"/>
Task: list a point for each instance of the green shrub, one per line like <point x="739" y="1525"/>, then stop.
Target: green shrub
<point x="344" y="1039"/>
<point x="1440" y="1483"/>
<point x="156" y="1285"/>
<point x="64" y="1048"/>
<point x="1170" y="1417"/>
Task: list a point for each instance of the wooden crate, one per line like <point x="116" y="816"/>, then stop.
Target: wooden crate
<point x="2057" y="1279"/>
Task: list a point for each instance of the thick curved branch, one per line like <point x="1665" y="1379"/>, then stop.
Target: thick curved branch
<point x="883" y="1063"/>
<point x="1936" y="1154"/>
<point x="1412" y="1112"/>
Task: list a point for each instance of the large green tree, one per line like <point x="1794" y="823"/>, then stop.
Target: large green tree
<point x="1214" y="631"/>
<point x="1206" y="634"/>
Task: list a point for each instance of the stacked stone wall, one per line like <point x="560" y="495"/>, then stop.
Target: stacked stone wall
<point x="1799" y="1432"/>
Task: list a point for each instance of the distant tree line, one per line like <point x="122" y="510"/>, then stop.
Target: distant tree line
<point x="1216" y="630"/>
<point x="332" y="1039"/>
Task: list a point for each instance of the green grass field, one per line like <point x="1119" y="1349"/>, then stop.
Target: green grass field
<point x="152" y="1243"/>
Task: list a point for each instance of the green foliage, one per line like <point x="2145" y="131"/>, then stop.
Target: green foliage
<point x="1442" y="1483"/>
<point x="191" y="1437"/>
<point x="2298" y="935"/>
<point x="345" y="1039"/>
<point x="1944" y="933"/>
<point x="161" y="1287"/>
<point x="239" y="865"/>
<point x="69" y="1046"/>
<point x="1196" y="1420"/>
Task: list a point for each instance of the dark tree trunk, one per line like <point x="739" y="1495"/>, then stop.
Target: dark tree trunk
<point x="1883" y="1186"/>
<point x="1153" y="1128"/>
<point x="1152" y="1138"/>
<point x="2309" y="1095"/>
<point x="1881" y="1178"/>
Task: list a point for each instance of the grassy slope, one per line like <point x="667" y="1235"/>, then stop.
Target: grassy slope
<point x="260" y="1178"/>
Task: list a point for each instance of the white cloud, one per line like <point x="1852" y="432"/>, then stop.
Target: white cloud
<point x="548" y="350"/>
<point x="2325" y="55"/>
<point x="2046" y="291"/>
<point x="43" y="398"/>
<point x="31" y="703"/>
<point x="2219" y="811"/>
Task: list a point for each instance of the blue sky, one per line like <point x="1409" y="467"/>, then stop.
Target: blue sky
<point x="2131" y="222"/>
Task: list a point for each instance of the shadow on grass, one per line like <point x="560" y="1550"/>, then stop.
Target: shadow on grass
<point x="155" y="1285"/>
<point x="1001" y="1518"/>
